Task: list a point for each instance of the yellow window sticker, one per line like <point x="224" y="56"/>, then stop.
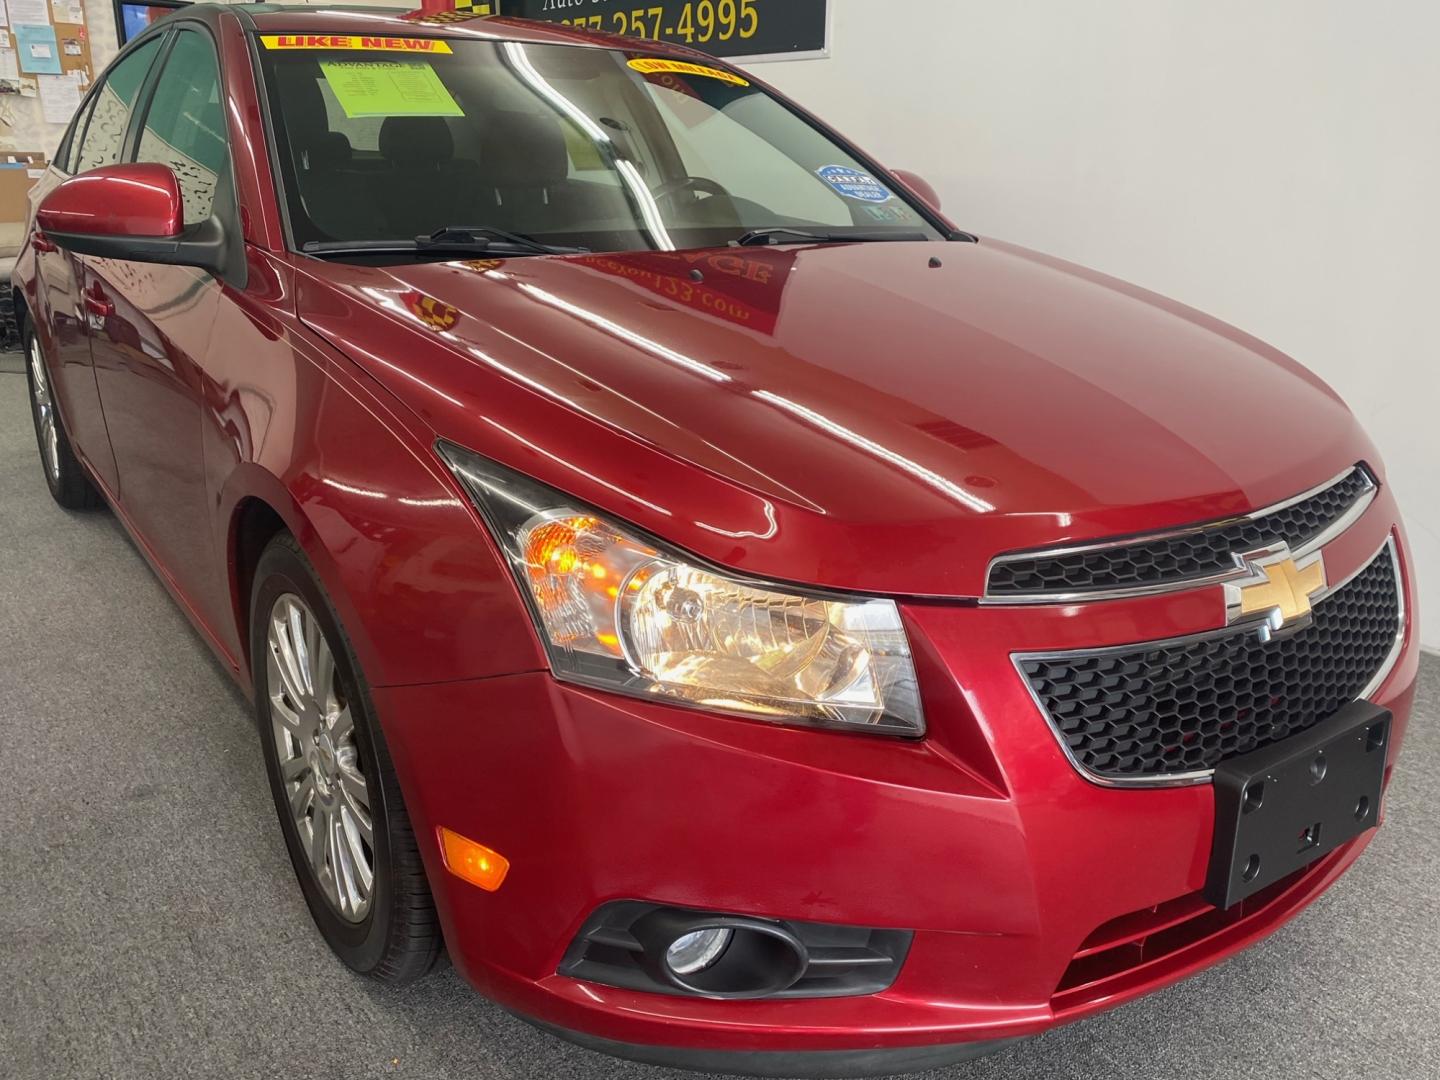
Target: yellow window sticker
<point x="355" y="41"/>
<point x="656" y="66"/>
<point x="388" y="88"/>
<point x="584" y="154"/>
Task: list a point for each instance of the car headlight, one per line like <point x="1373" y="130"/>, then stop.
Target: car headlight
<point x="622" y="612"/>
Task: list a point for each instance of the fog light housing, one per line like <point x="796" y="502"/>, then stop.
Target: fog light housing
<point x="694" y="952"/>
<point x="683" y="952"/>
<point x="720" y="956"/>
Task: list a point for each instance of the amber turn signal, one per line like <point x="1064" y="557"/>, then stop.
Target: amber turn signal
<point x="472" y="862"/>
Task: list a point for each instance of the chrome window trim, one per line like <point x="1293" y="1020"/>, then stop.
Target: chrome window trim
<point x="1203" y="776"/>
<point x="1320" y="540"/>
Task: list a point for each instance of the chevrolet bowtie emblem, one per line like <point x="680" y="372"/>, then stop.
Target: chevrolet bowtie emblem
<point x="1277" y="591"/>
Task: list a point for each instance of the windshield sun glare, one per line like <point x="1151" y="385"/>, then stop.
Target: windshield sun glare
<point x="386" y="144"/>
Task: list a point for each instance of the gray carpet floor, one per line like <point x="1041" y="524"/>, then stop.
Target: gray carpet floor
<point x="150" y="926"/>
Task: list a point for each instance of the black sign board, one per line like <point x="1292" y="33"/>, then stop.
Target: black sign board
<point x="719" y="27"/>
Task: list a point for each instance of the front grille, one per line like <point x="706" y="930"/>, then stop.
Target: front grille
<point x="1146" y="712"/>
<point x="1176" y="559"/>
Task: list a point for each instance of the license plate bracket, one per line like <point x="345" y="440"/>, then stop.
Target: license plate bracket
<point x="1280" y="808"/>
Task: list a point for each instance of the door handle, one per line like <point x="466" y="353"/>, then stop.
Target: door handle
<point x="43" y="242"/>
<point x="98" y="305"/>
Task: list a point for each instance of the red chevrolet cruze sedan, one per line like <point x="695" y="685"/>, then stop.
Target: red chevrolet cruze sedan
<point x="748" y="622"/>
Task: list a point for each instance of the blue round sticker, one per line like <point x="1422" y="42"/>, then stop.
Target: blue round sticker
<point x="854" y="184"/>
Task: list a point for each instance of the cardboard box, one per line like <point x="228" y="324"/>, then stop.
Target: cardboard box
<point x="18" y="172"/>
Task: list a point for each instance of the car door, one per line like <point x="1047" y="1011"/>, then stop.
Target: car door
<point x="61" y="312"/>
<point x="154" y="325"/>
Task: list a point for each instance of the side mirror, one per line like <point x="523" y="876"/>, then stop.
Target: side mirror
<point x="132" y="212"/>
<point x="920" y="186"/>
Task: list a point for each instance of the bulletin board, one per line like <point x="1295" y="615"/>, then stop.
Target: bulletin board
<point x="45" y="68"/>
<point x="45" y="61"/>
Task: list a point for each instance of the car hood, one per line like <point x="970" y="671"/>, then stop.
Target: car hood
<point x="884" y="417"/>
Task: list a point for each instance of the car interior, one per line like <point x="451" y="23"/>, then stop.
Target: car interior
<point x="397" y="177"/>
<point x="714" y="160"/>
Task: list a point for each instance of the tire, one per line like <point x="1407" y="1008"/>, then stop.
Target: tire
<point x="64" y="475"/>
<point x="388" y="931"/>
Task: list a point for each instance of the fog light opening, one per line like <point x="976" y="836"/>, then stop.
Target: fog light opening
<point x="737" y="959"/>
<point x="692" y="953"/>
<point x="720" y="956"/>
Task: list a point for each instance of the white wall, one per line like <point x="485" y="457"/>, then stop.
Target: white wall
<point x="1276" y="164"/>
<point x="104" y="40"/>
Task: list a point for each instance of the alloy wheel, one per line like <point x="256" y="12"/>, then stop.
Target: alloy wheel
<point x="319" y="760"/>
<point x="44" y="411"/>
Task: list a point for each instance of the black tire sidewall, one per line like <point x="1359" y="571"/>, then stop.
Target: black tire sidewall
<point x="361" y="945"/>
<point x="30" y="340"/>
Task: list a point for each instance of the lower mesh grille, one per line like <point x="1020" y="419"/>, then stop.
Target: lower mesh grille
<point x="1148" y="712"/>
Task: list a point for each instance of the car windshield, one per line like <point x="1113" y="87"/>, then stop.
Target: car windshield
<point x="574" y="147"/>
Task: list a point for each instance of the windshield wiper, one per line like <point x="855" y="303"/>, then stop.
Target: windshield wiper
<point x="482" y="236"/>
<point x="785" y="235"/>
<point x="451" y="240"/>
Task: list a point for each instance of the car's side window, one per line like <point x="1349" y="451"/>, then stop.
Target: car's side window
<point x="101" y="139"/>
<point x="185" y="125"/>
<point x="71" y="143"/>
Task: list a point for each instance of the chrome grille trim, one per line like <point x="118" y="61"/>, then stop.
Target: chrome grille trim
<point x="1336" y="528"/>
<point x="1203" y="776"/>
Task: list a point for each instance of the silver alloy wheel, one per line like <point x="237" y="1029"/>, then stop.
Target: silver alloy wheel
<point x="44" y="410"/>
<point x="319" y="760"/>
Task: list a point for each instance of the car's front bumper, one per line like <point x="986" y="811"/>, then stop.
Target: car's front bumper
<point x="1036" y="896"/>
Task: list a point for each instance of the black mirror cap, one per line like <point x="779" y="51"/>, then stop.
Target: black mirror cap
<point x="203" y="246"/>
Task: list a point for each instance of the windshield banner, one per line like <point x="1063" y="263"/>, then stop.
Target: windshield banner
<point x="354" y="41"/>
<point x="654" y="65"/>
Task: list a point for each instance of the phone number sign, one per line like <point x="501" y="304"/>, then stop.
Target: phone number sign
<point x="720" y="27"/>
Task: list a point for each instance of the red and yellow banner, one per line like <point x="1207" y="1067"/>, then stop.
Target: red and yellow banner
<point x="435" y="314"/>
<point x="354" y="41"/>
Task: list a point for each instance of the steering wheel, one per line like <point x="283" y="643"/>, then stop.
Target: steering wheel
<point x="700" y="184"/>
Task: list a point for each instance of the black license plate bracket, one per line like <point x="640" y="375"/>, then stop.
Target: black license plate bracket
<point x="1280" y="808"/>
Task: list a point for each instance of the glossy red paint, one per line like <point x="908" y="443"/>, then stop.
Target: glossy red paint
<point x="115" y="200"/>
<point x="847" y="417"/>
<point x="794" y="444"/>
<point x="845" y="826"/>
<point x="1028" y="859"/>
<point x="920" y="186"/>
